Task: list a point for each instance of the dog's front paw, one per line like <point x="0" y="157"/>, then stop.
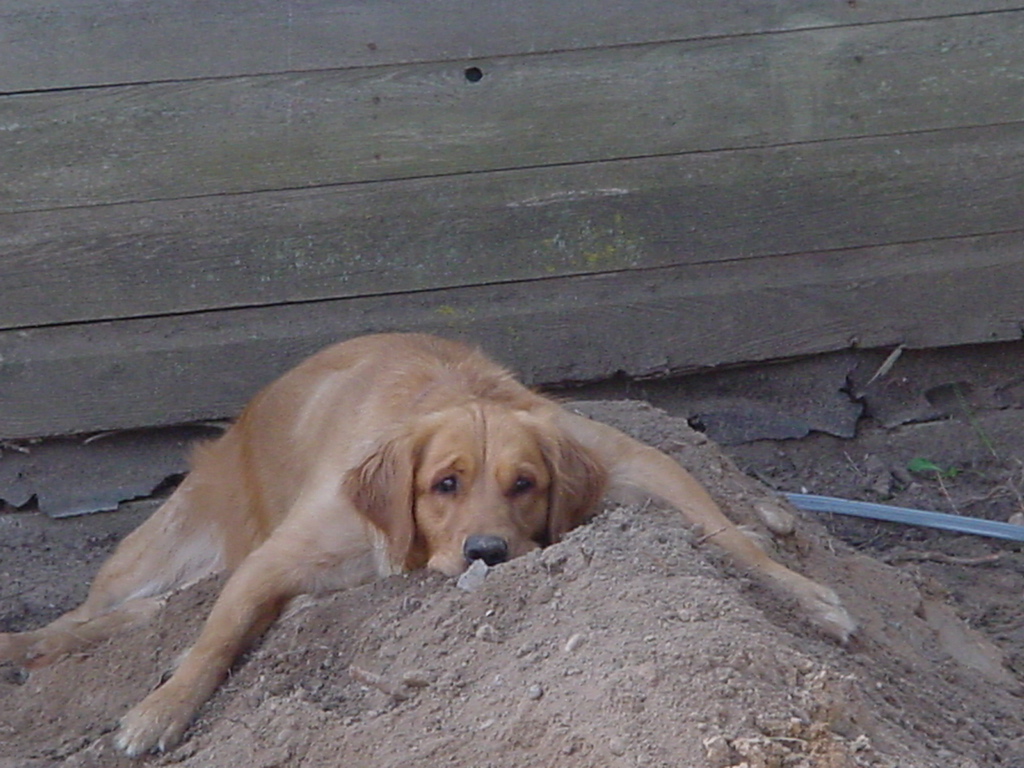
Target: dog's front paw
<point x="818" y="603"/>
<point x="157" y="723"/>
<point x="826" y="611"/>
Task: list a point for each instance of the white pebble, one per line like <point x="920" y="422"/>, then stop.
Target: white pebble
<point x="473" y="577"/>
<point x="574" y="642"/>
<point x="488" y="634"/>
<point x="778" y="520"/>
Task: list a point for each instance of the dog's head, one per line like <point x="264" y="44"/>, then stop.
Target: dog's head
<point x="478" y="481"/>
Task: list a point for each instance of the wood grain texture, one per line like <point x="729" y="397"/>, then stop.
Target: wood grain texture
<point x="195" y="196"/>
<point x="52" y="44"/>
<point x="274" y="248"/>
<point x="98" y="376"/>
<point x="216" y="136"/>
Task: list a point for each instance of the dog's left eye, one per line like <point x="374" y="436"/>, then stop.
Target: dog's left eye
<point x="449" y="484"/>
<point x="521" y="485"/>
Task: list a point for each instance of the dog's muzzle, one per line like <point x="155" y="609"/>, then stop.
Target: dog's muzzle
<point x="491" y="549"/>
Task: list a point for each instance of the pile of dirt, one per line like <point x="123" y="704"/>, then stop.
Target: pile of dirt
<point x="631" y="643"/>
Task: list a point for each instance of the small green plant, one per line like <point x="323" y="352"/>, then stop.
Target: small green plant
<point x="926" y="466"/>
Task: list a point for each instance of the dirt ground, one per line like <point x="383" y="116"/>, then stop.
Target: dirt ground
<point x="632" y="643"/>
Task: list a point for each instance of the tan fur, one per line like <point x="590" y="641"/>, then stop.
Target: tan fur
<point x="378" y="455"/>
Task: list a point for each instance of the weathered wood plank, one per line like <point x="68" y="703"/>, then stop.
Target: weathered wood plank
<point x="183" y="139"/>
<point x="52" y="44"/>
<point x="167" y="370"/>
<point x="265" y="249"/>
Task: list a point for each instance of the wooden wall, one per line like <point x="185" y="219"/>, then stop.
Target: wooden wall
<point x="194" y="195"/>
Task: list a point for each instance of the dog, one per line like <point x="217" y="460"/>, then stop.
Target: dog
<point x="378" y="455"/>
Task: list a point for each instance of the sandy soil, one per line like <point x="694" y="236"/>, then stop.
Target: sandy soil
<point x="632" y="643"/>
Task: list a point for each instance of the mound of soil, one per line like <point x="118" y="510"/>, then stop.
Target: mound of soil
<point x="631" y="643"/>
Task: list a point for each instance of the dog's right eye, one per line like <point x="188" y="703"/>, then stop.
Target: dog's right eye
<point x="449" y="484"/>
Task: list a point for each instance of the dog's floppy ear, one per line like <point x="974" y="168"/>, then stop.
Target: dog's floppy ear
<point x="381" y="488"/>
<point x="578" y="482"/>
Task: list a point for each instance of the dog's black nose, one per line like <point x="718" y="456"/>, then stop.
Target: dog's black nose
<point x="491" y="549"/>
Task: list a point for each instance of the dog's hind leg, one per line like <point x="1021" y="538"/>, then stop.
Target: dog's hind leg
<point x="170" y="549"/>
<point x="71" y="633"/>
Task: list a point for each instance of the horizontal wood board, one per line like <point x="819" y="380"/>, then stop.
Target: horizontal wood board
<point x="50" y="44"/>
<point x="184" y="139"/>
<point x="168" y="370"/>
<point x="275" y="248"/>
<point x="654" y="188"/>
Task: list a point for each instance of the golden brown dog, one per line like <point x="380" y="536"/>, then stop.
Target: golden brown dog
<point x="378" y="455"/>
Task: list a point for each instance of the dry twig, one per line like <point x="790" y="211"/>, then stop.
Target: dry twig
<point x="942" y="557"/>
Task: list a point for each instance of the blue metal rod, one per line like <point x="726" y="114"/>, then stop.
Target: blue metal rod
<point x="975" y="525"/>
